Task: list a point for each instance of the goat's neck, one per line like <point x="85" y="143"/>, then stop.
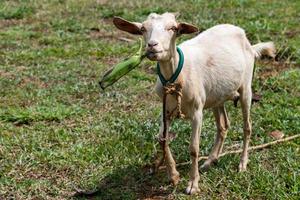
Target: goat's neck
<point x="168" y="67"/>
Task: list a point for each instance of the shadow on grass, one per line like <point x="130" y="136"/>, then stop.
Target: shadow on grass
<point x="133" y="182"/>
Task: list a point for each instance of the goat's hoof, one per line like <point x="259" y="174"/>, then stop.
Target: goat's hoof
<point x="192" y="188"/>
<point x="175" y="179"/>
<point x="207" y="164"/>
<point x="243" y="167"/>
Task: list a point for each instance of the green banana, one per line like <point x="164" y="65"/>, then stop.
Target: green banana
<point x="122" y="68"/>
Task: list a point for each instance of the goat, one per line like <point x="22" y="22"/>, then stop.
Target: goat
<point x="218" y="66"/>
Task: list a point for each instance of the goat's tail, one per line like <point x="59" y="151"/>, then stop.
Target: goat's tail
<point x="264" y="48"/>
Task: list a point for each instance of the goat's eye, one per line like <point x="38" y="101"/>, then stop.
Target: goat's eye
<point x="143" y="29"/>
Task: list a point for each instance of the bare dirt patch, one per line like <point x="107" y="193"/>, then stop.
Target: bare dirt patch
<point x="4" y="23"/>
<point x="292" y="33"/>
<point x="33" y="80"/>
<point x="7" y="75"/>
<point x="9" y="22"/>
<point x="273" y="68"/>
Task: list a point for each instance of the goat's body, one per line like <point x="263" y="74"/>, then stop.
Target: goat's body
<point x="217" y="63"/>
<point x="218" y="66"/>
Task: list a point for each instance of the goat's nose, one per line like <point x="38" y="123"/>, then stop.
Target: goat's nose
<point x="152" y="43"/>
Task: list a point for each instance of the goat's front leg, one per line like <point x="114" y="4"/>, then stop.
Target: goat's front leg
<point x="167" y="155"/>
<point x="194" y="151"/>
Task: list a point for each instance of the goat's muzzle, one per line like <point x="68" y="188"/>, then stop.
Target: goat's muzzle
<point x="152" y="54"/>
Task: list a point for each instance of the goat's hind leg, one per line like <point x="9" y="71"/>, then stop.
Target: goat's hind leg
<point x="246" y="96"/>
<point x="222" y="124"/>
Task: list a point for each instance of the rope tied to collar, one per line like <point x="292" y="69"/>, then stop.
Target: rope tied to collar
<point x="174" y="89"/>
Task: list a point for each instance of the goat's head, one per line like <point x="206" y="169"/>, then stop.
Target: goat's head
<point x="159" y="32"/>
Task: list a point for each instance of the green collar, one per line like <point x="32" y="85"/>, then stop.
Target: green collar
<point x="177" y="72"/>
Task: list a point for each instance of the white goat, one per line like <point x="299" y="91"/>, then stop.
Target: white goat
<point x="218" y="65"/>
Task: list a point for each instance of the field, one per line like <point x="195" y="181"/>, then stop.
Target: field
<point x="60" y="133"/>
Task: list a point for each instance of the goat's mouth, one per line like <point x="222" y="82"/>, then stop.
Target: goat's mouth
<point x="152" y="55"/>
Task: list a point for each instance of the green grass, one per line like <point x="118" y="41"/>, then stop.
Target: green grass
<point x="59" y="132"/>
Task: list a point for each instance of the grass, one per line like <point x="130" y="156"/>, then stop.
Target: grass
<point x="59" y="132"/>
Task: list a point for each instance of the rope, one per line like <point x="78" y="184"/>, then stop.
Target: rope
<point x="169" y="89"/>
<point x="174" y="89"/>
<point x="258" y="147"/>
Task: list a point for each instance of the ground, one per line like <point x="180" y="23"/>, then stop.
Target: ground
<point x="61" y="134"/>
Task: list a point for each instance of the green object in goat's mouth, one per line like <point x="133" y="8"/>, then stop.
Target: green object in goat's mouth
<point x="122" y="68"/>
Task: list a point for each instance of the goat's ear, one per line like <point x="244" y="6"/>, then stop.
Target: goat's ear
<point x="130" y="27"/>
<point x="184" y="28"/>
